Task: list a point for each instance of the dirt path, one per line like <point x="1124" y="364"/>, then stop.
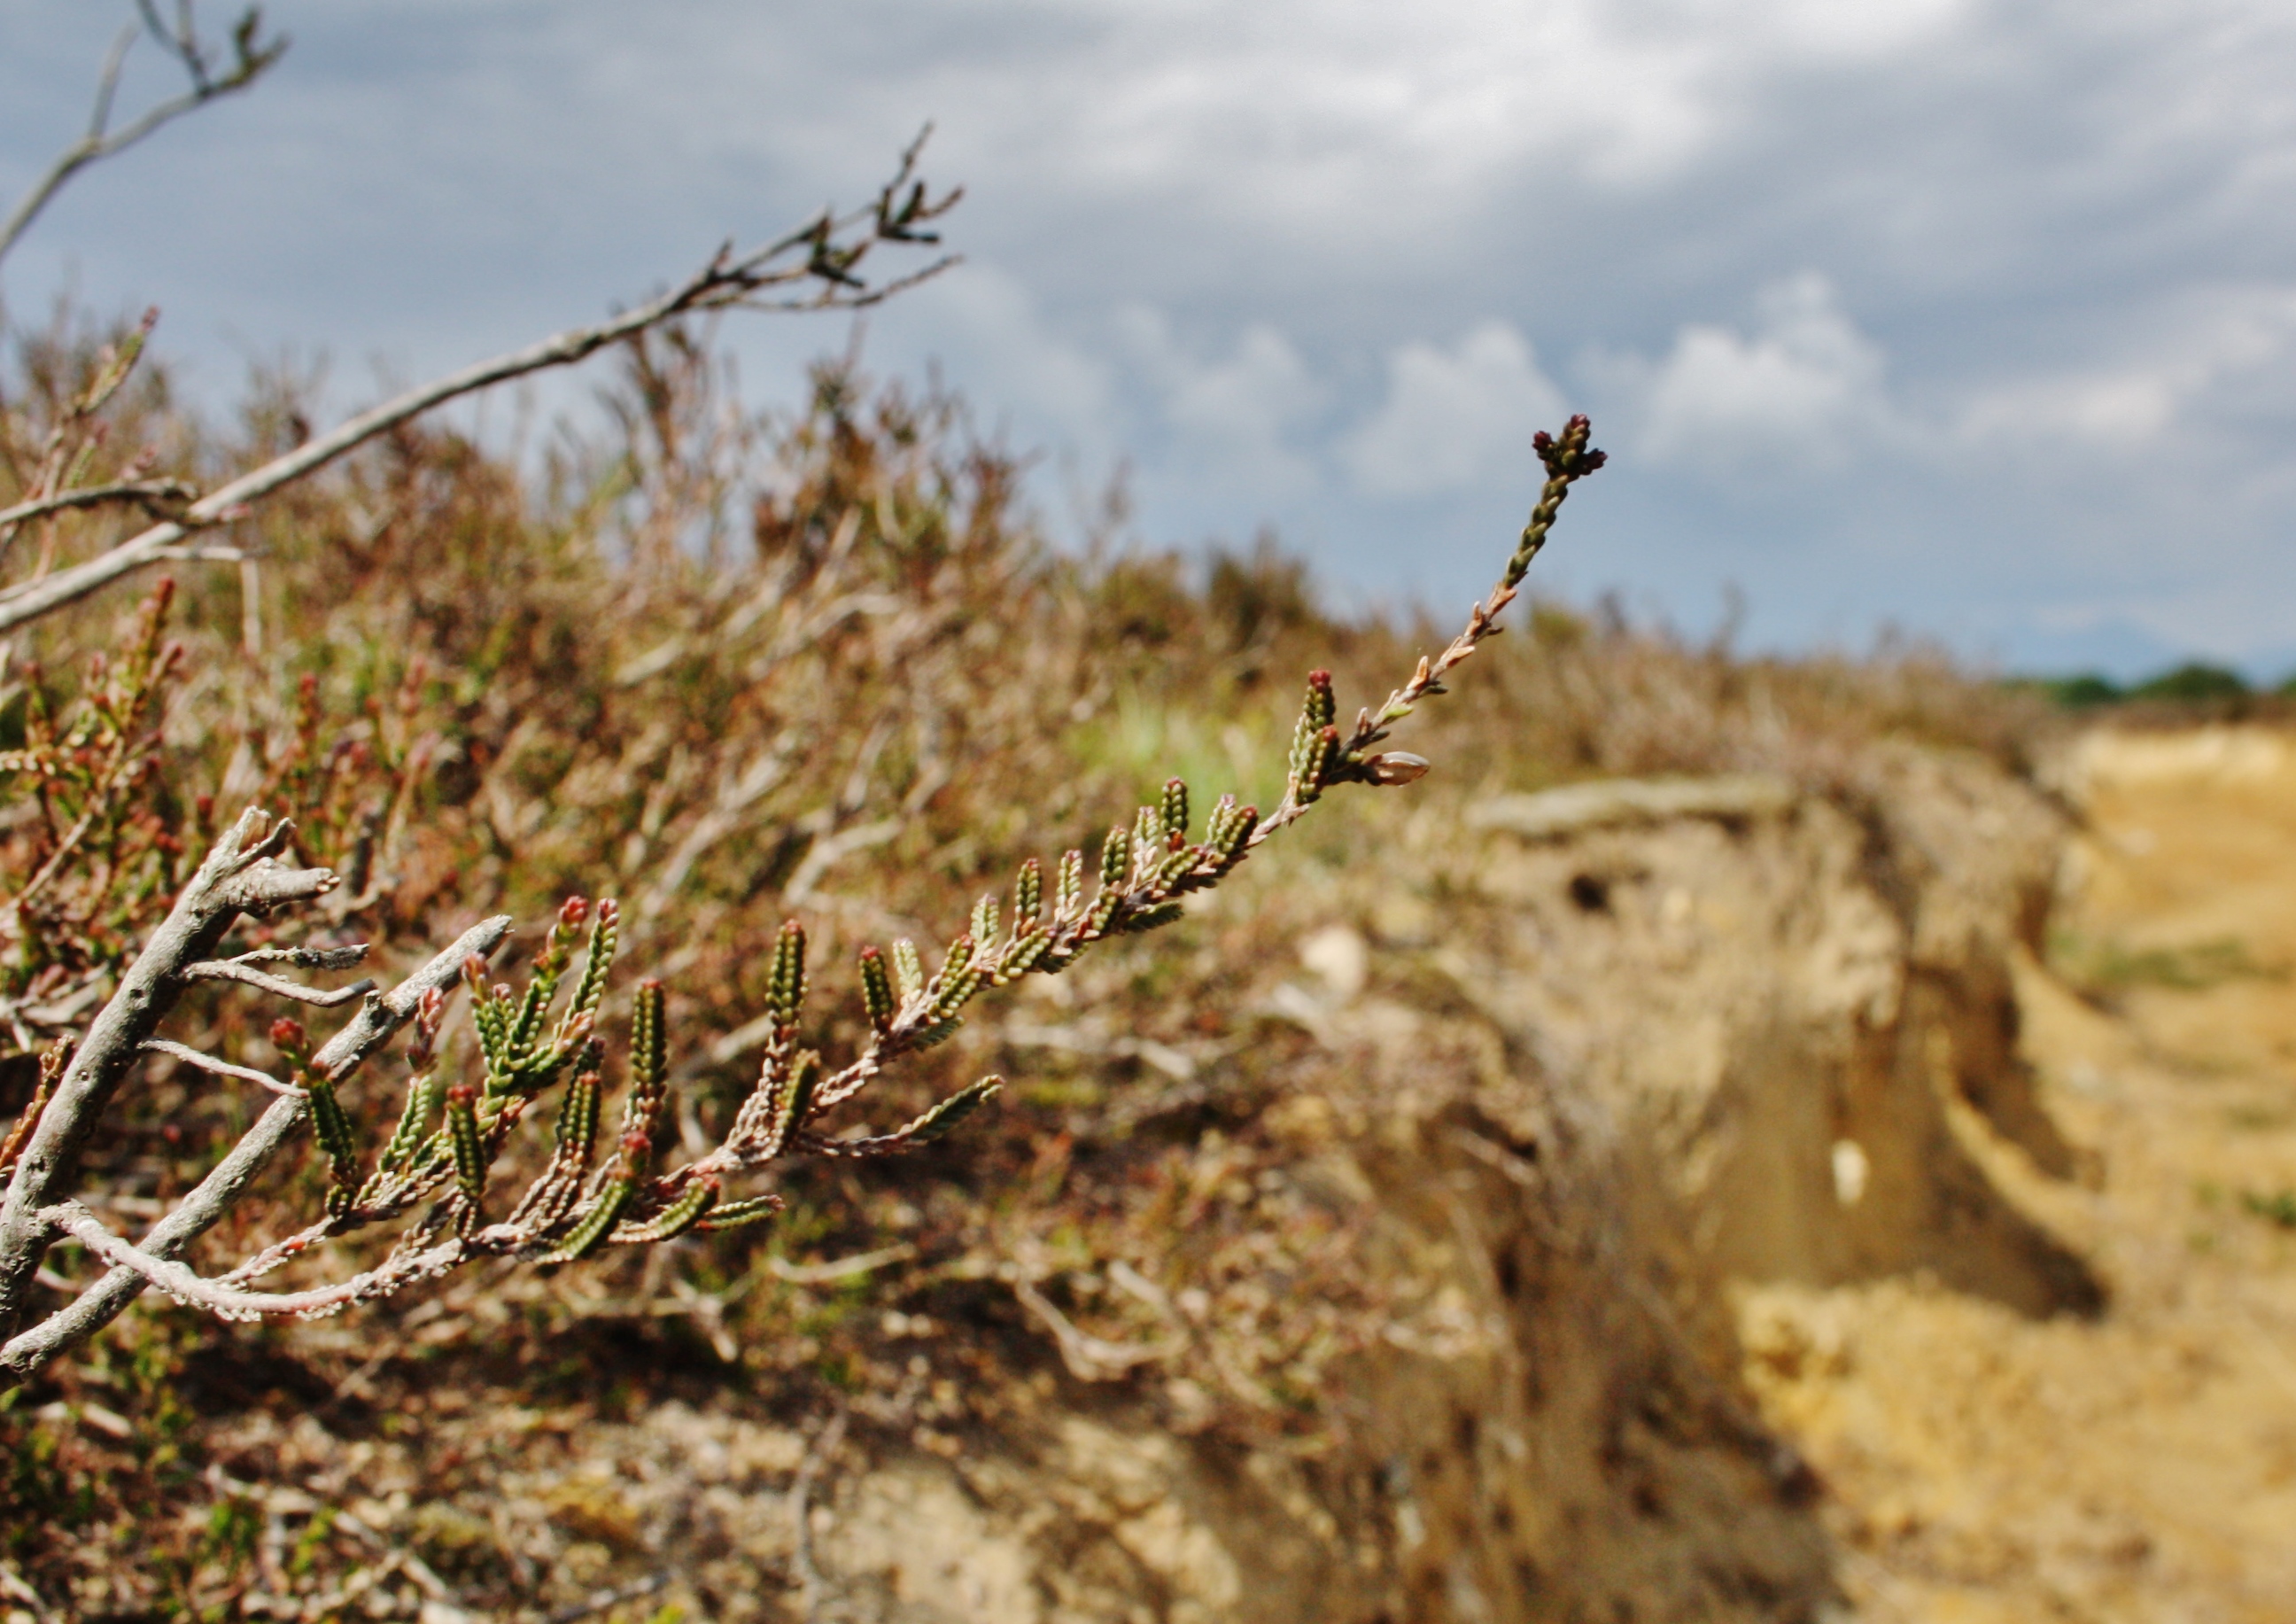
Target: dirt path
<point x="2143" y="1466"/>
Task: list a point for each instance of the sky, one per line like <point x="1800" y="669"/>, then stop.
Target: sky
<point x="1974" y="320"/>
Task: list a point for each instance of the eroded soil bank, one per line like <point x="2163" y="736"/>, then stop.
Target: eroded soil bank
<point x="1985" y="1466"/>
<point x="1750" y="1199"/>
<point x="1869" y="1205"/>
<point x="1623" y="1085"/>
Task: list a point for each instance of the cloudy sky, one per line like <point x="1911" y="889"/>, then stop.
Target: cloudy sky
<point x="1975" y="318"/>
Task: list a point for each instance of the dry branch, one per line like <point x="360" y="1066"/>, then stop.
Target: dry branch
<point x="253" y="56"/>
<point x="277" y="986"/>
<point x="154" y="496"/>
<point x="240" y="875"/>
<point x="219" y="1067"/>
<point x="379" y="1019"/>
<point x="824" y="256"/>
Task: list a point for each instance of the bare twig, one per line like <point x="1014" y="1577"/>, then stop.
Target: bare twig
<point x="1089" y="1358"/>
<point x="239" y="876"/>
<point x="229" y="1302"/>
<point x="305" y="958"/>
<point x="839" y="1268"/>
<point x="253" y="57"/>
<point x="379" y="1019"/>
<point x="203" y="554"/>
<point x="155" y="497"/>
<point x="230" y="970"/>
<point x="220" y="1068"/>
<point x="824" y="255"/>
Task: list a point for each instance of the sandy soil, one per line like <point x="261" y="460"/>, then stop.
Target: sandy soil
<point x="2141" y="1466"/>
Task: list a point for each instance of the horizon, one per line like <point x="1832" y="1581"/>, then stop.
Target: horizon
<point x="1970" y="321"/>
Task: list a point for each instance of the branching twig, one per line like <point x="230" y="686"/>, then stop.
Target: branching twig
<point x="229" y="1302"/>
<point x="824" y="255"/>
<point x="378" y="1020"/>
<point x="157" y="497"/>
<point x="240" y="877"/>
<point x="221" y="1068"/>
<point x="229" y="970"/>
<point x="253" y="56"/>
<point x="1089" y="1358"/>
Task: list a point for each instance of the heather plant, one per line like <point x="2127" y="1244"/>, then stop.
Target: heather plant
<point x="98" y="848"/>
<point x="723" y="670"/>
<point x="818" y="711"/>
<point x="449" y="1135"/>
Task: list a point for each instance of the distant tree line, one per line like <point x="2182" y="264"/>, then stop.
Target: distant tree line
<point x="2194" y="684"/>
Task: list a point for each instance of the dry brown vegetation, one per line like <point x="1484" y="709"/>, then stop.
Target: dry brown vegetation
<point x="728" y="670"/>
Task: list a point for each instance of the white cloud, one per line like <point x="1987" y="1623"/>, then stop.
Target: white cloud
<point x="1802" y="389"/>
<point x="2218" y="349"/>
<point x="1453" y="419"/>
<point x="2035" y="223"/>
<point x="1239" y="415"/>
<point x="1324" y="111"/>
<point x="990" y="329"/>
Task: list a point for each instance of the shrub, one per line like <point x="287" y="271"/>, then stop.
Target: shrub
<point x="451" y="1134"/>
<point x="103" y="809"/>
<point x="723" y="669"/>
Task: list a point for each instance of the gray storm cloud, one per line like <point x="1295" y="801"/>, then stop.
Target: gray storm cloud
<point x="1977" y="319"/>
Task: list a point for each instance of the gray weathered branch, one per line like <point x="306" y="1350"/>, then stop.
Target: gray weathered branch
<point x="219" y="1067"/>
<point x="239" y="876"/>
<point x="379" y="1018"/>
<point x="817" y="253"/>
<point x="153" y="496"/>
<point x="254" y="58"/>
<point x="320" y="998"/>
<point x="230" y="1302"/>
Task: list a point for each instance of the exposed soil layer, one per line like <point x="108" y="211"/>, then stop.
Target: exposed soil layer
<point x="1620" y="1047"/>
<point x="1754" y="1205"/>
<point x="1985" y="1466"/>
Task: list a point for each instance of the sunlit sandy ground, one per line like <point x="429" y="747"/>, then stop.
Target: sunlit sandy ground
<point x="1986" y="1467"/>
